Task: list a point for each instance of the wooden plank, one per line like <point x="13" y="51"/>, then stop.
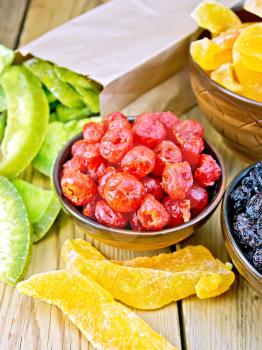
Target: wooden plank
<point x="232" y="321"/>
<point x="11" y="19"/>
<point x="29" y="324"/>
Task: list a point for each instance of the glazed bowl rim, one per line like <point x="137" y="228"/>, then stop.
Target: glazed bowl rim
<point x="72" y="210"/>
<point x="226" y="222"/>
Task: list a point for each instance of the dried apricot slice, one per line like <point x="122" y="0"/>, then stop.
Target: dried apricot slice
<point x="214" y="17"/>
<point x="104" y="322"/>
<point x="249" y="46"/>
<point x="149" y="288"/>
<point x="208" y="55"/>
<point x="225" y="76"/>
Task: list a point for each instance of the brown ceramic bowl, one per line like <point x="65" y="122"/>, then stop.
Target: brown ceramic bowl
<point x="245" y="268"/>
<point x="236" y="117"/>
<point x="125" y="238"/>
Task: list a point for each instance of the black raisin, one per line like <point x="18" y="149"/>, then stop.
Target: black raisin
<point x="257" y="258"/>
<point x="259" y="228"/>
<point x="240" y="197"/>
<point x="254" y="206"/>
<point x="245" y="231"/>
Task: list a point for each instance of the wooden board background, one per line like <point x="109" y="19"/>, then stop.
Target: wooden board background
<point x="230" y="322"/>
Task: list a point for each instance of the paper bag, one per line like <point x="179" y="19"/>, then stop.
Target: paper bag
<point x="129" y="47"/>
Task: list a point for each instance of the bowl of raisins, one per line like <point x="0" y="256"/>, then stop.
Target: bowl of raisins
<point x="241" y="219"/>
<point x="140" y="183"/>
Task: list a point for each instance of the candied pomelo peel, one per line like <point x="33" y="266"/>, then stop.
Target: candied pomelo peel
<point x="103" y="321"/>
<point x="151" y="282"/>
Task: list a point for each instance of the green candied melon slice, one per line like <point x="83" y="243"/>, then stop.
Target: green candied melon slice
<point x="60" y="89"/>
<point x="90" y="98"/>
<point x="57" y="135"/>
<point x="2" y="100"/>
<point x="65" y="114"/>
<point x="6" y="57"/>
<point x="15" y="234"/>
<point x="27" y="120"/>
<point x="3" y="117"/>
<point x="75" y="79"/>
<point x="42" y="207"/>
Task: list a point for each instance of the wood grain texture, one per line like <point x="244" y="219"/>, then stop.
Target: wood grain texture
<point x="232" y="321"/>
<point x="11" y="19"/>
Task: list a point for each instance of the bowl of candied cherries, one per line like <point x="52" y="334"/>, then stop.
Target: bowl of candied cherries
<point x="241" y="218"/>
<point x="140" y="183"/>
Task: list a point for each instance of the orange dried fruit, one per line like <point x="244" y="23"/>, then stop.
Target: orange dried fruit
<point x="214" y="17"/>
<point x="104" y="322"/>
<point x="149" y="288"/>
<point x="225" y="76"/>
<point x="253" y="6"/>
<point x="226" y="39"/>
<point x="208" y="55"/>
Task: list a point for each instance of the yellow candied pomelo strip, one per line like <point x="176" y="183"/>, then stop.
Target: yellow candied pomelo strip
<point x="104" y="322"/>
<point x="147" y="288"/>
<point x="208" y="55"/>
<point x="254" y="6"/>
<point x="225" y="76"/>
<point x="249" y="47"/>
<point x="214" y="17"/>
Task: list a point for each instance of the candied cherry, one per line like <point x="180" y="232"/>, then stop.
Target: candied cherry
<point x="96" y="171"/>
<point x="166" y="152"/>
<point x="134" y="221"/>
<point x="186" y="129"/>
<point x="178" y="209"/>
<point x="207" y="171"/>
<point x="79" y="147"/>
<point x="89" y="208"/>
<point x="198" y="197"/>
<point x="148" y="130"/>
<point x="76" y="163"/>
<point x="117" y="116"/>
<point x="177" y="179"/>
<point x="109" y="217"/>
<point x="108" y="172"/>
<point x="139" y="161"/>
<point x="169" y="120"/>
<point x="116" y="143"/>
<point x="93" y="132"/>
<point x="152" y="214"/>
<point x="191" y="150"/>
<point x="123" y="192"/>
<point x="153" y="186"/>
<point x="77" y="187"/>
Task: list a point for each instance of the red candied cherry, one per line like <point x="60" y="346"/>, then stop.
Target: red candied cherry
<point x="93" y="132"/>
<point x="78" y="188"/>
<point x="92" y="155"/>
<point x="191" y="150"/>
<point x="178" y="209"/>
<point x="169" y="120"/>
<point x="152" y="214"/>
<point x="95" y="171"/>
<point x="166" y="152"/>
<point x="153" y="186"/>
<point x="139" y="161"/>
<point x="134" y="221"/>
<point x="177" y="179"/>
<point x="76" y="163"/>
<point x="207" y="171"/>
<point x="89" y="208"/>
<point x="109" y="217"/>
<point x="79" y="147"/>
<point x="108" y="172"/>
<point x="186" y="129"/>
<point x="123" y="192"/>
<point x="148" y="130"/>
<point x="116" y="143"/>
<point x="117" y="116"/>
<point x="198" y="197"/>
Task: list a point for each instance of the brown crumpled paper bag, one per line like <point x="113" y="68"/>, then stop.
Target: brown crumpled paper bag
<point x="137" y="49"/>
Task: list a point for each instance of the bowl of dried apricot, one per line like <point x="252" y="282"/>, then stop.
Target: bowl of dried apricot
<point x="226" y="74"/>
<point x="140" y="184"/>
<point x="241" y="219"/>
